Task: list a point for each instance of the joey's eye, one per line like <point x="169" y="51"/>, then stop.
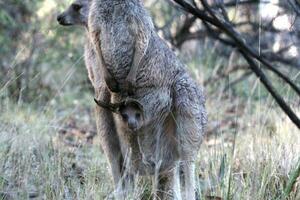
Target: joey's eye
<point x="76" y="7"/>
<point x="125" y="117"/>
<point x="138" y="115"/>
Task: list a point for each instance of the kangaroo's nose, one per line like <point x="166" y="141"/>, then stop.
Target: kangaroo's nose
<point x="132" y="125"/>
<point x="59" y="18"/>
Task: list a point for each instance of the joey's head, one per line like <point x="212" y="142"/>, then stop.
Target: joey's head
<point x="76" y="14"/>
<point x="132" y="114"/>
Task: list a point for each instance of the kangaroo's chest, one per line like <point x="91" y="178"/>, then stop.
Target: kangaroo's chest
<point x="117" y="46"/>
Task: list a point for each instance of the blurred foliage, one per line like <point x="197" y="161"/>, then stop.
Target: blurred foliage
<point x="38" y="55"/>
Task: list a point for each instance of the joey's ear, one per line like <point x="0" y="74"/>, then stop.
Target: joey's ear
<point x="134" y="103"/>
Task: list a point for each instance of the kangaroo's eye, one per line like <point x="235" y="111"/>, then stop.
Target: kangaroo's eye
<point x="125" y="117"/>
<point x="138" y="115"/>
<point x="76" y="7"/>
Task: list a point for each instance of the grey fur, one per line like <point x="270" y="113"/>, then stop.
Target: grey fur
<point x="174" y="109"/>
<point x="129" y="55"/>
<point x="104" y="118"/>
<point x="130" y="110"/>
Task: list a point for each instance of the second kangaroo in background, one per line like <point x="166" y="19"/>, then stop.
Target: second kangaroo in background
<point x="77" y="14"/>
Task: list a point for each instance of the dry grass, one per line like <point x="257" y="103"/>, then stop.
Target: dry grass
<point x="250" y="153"/>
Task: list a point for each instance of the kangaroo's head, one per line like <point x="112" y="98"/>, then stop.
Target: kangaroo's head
<point x="132" y="114"/>
<point x="76" y="14"/>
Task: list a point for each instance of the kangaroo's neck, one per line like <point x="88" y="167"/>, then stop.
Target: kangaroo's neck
<point x="110" y="3"/>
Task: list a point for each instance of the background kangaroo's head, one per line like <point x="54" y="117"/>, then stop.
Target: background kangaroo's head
<point x="76" y="14"/>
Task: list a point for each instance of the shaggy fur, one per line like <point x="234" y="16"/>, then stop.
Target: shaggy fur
<point x="104" y="118"/>
<point x="126" y="52"/>
<point x="131" y="111"/>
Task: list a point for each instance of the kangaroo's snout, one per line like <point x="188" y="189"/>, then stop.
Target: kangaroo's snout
<point x="132" y="125"/>
<point x="60" y="19"/>
<point x="63" y="20"/>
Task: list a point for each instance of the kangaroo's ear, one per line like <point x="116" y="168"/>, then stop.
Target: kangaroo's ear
<point x="134" y="103"/>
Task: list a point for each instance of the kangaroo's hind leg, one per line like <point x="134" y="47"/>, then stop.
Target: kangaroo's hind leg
<point x="108" y="136"/>
<point x="167" y="185"/>
<point x="190" y="117"/>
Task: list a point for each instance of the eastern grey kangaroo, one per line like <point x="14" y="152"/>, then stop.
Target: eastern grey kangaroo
<point x="77" y="14"/>
<point x="123" y="35"/>
<point x="131" y="111"/>
<point x="174" y="136"/>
